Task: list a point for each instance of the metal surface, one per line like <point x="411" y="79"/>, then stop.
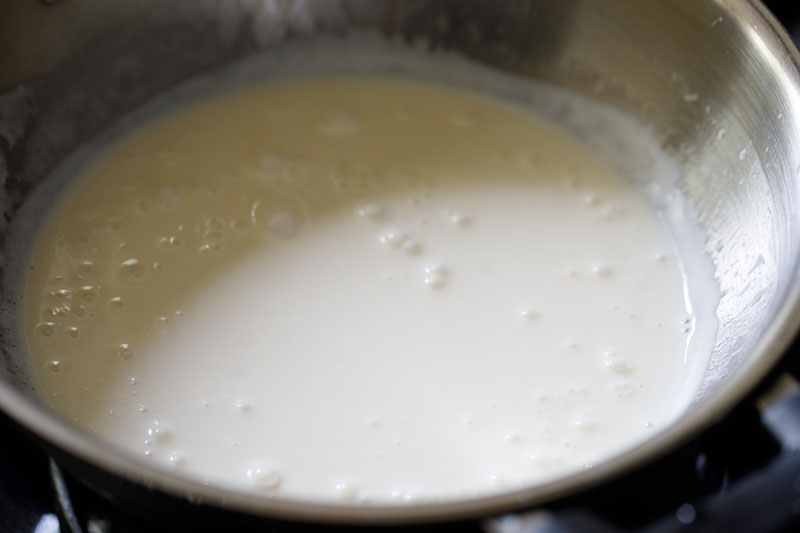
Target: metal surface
<point x="717" y="81"/>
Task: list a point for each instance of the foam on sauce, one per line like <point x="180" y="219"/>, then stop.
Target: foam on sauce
<point x="361" y="289"/>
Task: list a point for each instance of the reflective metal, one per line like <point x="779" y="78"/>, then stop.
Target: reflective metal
<point x="717" y="80"/>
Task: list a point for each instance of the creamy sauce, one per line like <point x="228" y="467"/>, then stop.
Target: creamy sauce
<point x="359" y="289"/>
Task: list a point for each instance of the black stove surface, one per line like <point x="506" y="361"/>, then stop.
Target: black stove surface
<point x="741" y="475"/>
<point x="26" y="502"/>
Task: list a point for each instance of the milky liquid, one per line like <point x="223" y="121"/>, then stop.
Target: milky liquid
<point x="359" y="289"/>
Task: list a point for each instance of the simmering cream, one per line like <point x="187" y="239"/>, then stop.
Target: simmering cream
<point x="359" y="289"/>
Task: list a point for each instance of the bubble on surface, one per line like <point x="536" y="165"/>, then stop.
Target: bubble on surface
<point x="80" y="312"/>
<point x="412" y="247"/>
<point x="434" y="281"/>
<point x="460" y="220"/>
<point x="88" y="294"/>
<point x="403" y="496"/>
<point x="208" y="248"/>
<point x="46" y="330"/>
<point x="372" y="212"/>
<point x="53" y="366"/>
<point x="214" y="224"/>
<point x="616" y="365"/>
<point x="116" y="303"/>
<point x="393" y="239"/>
<point x="72" y="333"/>
<point x="264" y="477"/>
<point x="347" y="491"/>
<point x="176" y="459"/>
<point x="57" y="311"/>
<point x="59" y="296"/>
<point x="169" y="242"/>
<point x="497" y="480"/>
<point x="436" y="269"/>
<point x="158" y="433"/>
<point x="280" y="217"/>
<point x="124" y="351"/>
<point x="435" y="276"/>
<point x="133" y="271"/>
<point x="602" y="270"/>
<point x="239" y="225"/>
<point x="282" y="225"/>
<point x="84" y="270"/>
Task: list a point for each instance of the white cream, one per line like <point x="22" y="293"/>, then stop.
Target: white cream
<point x="360" y="289"/>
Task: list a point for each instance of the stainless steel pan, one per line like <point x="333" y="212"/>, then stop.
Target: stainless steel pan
<point x="711" y="77"/>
